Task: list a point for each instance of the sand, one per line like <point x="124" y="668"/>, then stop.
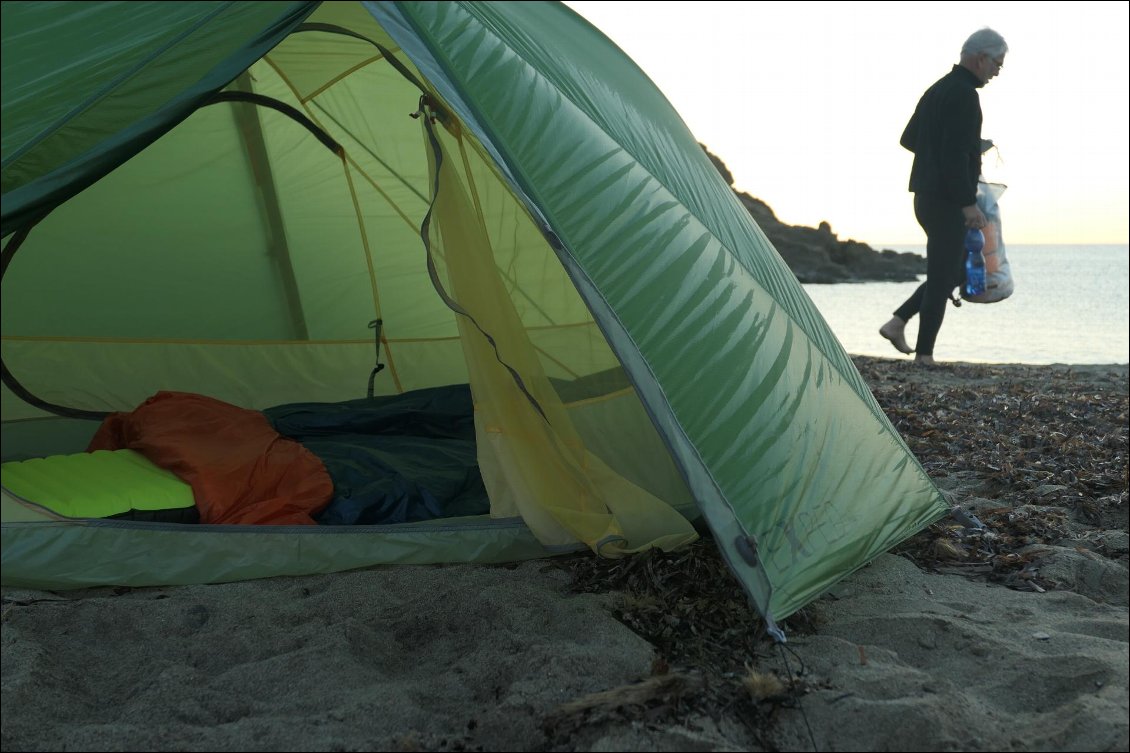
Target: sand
<point x="902" y="655"/>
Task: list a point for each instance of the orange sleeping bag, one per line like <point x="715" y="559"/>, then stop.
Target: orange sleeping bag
<point x="240" y="469"/>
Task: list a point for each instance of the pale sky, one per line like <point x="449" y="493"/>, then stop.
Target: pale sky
<point x="805" y="103"/>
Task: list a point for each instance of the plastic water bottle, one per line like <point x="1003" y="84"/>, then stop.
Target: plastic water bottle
<point x="974" y="262"/>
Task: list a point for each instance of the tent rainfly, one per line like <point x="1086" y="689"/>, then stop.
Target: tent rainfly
<point x="239" y="203"/>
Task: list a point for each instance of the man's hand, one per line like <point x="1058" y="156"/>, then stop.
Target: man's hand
<point x="974" y="217"/>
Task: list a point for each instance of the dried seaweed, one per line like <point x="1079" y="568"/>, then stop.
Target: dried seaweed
<point x="1042" y="449"/>
<point x="689" y="605"/>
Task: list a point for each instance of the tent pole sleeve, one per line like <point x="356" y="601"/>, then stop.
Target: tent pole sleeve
<point x="250" y="127"/>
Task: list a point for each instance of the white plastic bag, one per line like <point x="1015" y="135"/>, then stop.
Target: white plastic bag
<point x="998" y="273"/>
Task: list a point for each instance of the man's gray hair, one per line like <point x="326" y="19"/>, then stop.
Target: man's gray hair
<point x="984" y="41"/>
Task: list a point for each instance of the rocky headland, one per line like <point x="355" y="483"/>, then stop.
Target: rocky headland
<point x="817" y="255"/>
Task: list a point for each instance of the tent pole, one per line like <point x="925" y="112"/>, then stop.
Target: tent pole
<point x="247" y="118"/>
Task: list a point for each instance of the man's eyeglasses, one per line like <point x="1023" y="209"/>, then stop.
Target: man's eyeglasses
<point x="998" y="62"/>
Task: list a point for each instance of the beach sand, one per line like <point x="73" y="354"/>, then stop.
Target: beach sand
<point x="1013" y="639"/>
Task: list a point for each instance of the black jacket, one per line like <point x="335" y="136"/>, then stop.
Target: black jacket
<point x="945" y="135"/>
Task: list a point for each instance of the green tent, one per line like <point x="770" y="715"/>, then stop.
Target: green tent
<point x="225" y="199"/>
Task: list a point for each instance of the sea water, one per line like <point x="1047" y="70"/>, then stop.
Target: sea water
<point x="1071" y="305"/>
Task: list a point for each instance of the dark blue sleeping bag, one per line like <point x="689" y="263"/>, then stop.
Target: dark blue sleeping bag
<point x="393" y="458"/>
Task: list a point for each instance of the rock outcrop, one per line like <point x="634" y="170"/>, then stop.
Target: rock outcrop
<point x="816" y="255"/>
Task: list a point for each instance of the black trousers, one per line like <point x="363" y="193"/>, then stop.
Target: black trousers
<point x="945" y="267"/>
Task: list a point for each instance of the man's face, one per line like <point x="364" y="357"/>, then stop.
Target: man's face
<point x="990" y="66"/>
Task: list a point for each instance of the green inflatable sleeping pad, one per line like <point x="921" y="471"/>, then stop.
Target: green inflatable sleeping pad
<point x="102" y="484"/>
